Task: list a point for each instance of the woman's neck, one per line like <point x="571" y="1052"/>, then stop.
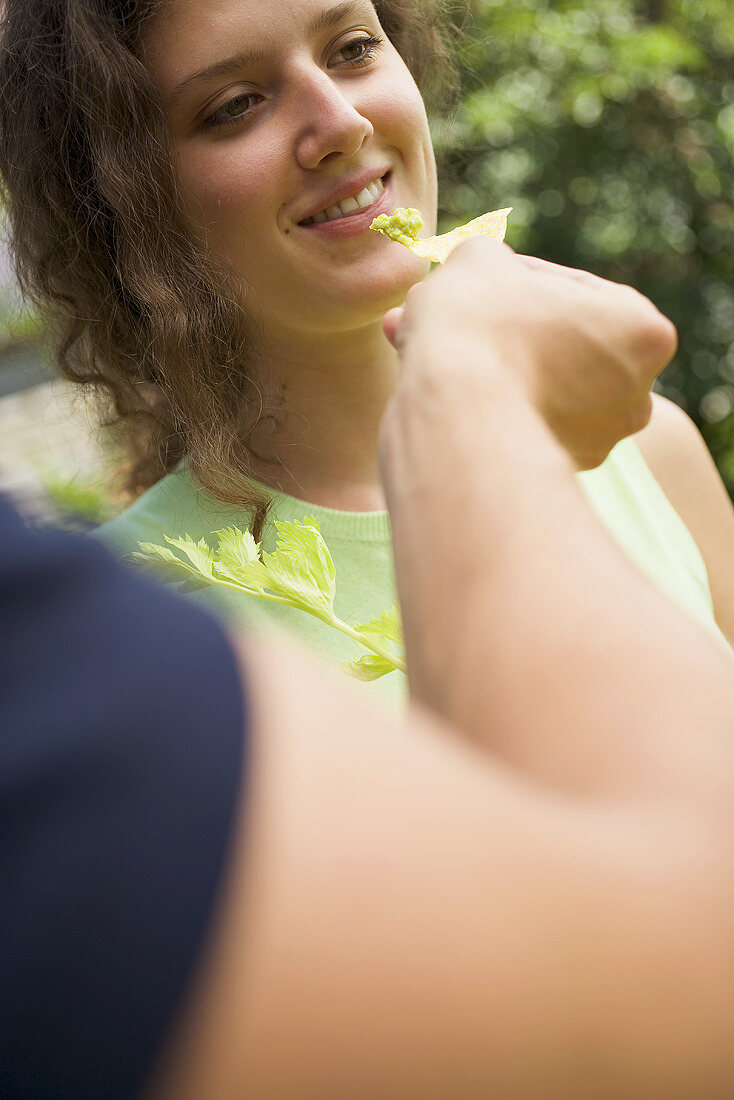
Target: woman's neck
<point x="323" y="402"/>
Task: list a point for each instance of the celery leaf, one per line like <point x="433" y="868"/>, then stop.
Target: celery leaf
<point x="370" y="667"/>
<point x="301" y="568"/>
<point x="239" y="560"/>
<point x="387" y="626"/>
<point x="199" y="554"/>
<point x="299" y="573"/>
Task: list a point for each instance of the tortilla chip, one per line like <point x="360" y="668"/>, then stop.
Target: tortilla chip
<point x="436" y="249"/>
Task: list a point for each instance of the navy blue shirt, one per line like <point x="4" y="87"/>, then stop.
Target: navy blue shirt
<point x="121" y="765"/>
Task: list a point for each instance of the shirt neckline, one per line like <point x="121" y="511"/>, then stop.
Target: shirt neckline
<point x="334" y="522"/>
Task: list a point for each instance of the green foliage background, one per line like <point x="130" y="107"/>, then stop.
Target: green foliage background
<point x="609" y="126"/>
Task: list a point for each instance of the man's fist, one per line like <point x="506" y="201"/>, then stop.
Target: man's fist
<point x="584" y="351"/>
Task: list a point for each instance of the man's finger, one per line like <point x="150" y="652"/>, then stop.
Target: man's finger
<point x="391" y="324"/>
<point x="579" y="276"/>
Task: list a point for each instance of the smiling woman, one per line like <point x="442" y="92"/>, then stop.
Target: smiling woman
<point x="127" y="258"/>
<point x="190" y="186"/>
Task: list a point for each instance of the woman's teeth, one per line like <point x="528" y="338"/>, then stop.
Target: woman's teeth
<point x="366" y="197"/>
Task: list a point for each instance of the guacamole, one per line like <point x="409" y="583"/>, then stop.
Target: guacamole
<point x="402" y="226"/>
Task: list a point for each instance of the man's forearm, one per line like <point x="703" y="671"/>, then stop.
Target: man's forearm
<point x="525" y="625"/>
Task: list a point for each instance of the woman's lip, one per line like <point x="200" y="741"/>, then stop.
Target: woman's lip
<point x="353" y="224"/>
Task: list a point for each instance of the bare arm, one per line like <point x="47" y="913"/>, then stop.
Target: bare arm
<point x="403" y="918"/>
<point x="566" y="598"/>
<point x="679" y="459"/>
<point x="544" y="619"/>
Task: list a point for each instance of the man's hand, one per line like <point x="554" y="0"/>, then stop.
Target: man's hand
<point x="585" y="350"/>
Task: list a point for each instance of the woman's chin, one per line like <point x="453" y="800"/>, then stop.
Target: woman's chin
<point x="353" y="297"/>
<point x="387" y="284"/>
<point x="372" y="303"/>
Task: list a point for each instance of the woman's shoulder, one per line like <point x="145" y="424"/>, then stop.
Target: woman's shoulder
<point x="663" y="476"/>
<point x="670" y="451"/>
<point x="678" y="457"/>
<point x="670" y="443"/>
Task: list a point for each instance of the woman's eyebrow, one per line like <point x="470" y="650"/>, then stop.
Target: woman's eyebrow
<point x="226" y="67"/>
<point x="229" y="65"/>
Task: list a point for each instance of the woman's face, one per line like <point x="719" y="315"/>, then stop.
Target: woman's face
<point x="307" y="105"/>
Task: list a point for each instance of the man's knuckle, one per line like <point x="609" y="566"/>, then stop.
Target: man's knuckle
<point x="669" y="336"/>
<point x="414" y="294"/>
<point x="660" y="341"/>
<point x="639" y="415"/>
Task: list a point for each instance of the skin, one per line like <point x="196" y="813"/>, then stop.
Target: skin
<point x="530" y="893"/>
<point x="678" y="457"/>
<point x="316" y="117"/>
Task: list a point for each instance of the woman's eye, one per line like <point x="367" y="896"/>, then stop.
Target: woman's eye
<point x="231" y="112"/>
<point x="360" y="51"/>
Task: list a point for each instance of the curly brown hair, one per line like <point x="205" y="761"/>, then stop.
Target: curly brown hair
<point x="137" y="310"/>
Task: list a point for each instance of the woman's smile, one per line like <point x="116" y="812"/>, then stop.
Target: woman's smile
<point x="352" y="216"/>
<point x="359" y="195"/>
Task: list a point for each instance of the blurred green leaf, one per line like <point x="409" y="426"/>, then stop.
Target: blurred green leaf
<point x="608" y="125"/>
<point x="77" y="499"/>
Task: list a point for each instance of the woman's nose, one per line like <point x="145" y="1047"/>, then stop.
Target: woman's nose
<point x="330" y="125"/>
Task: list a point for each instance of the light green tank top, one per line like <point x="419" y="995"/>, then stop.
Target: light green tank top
<point x="629" y="501"/>
<point x="622" y="492"/>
